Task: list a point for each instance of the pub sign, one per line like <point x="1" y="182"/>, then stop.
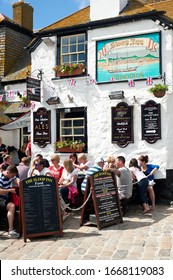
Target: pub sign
<point x="41" y="127"/>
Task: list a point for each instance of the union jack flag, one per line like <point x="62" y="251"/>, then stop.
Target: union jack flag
<point x="72" y="82"/>
<point x="112" y="79"/>
<point x="92" y="80"/>
<point x="131" y="83"/>
<point x="149" y="81"/>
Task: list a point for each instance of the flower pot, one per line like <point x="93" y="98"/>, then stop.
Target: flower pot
<point x="75" y="72"/>
<point x="70" y="150"/>
<point x="159" y="93"/>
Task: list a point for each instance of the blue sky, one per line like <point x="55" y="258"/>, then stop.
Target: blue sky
<point x="46" y="11"/>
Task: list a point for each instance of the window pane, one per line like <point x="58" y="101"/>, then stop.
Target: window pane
<point x="73" y="48"/>
<point x="73" y="40"/>
<point x="66" y="131"/>
<point x="74" y="58"/>
<point x="66" y="123"/>
<point x="79" y="131"/>
<point x="80" y="48"/>
<point x="65" y="49"/>
<point x="81" y="57"/>
<point x="65" y="40"/>
<point x="78" y="122"/>
<point x="81" y="38"/>
<point x="65" y="59"/>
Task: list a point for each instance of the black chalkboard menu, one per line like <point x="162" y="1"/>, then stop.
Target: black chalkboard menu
<point x="105" y="199"/>
<point x="33" y="89"/>
<point x="151" y="121"/>
<point x="40" y="207"/>
<point x="42" y="126"/>
<point x="122" y="124"/>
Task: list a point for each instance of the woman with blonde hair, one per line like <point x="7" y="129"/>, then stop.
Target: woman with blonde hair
<point x="55" y="167"/>
<point x="84" y="163"/>
<point x="68" y="182"/>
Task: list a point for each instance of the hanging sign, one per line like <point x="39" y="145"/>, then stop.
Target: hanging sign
<point x="151" y="121"/>
<point x="33" y="89"/>
<point x="122" y="124"/>
<point x="42" y="126"/>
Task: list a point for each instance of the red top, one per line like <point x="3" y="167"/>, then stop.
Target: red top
<point x="56" y="172"/>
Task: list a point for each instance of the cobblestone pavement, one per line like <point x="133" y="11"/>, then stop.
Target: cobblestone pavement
<point x="137" y="238"/>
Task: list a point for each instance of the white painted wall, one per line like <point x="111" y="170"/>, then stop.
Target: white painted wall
<point x="95" y="98"/>
<point x="106" y="9"/>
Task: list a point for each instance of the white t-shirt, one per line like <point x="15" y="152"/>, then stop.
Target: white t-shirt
<point x="138" y="173"/>
<point x="68" y="176"/>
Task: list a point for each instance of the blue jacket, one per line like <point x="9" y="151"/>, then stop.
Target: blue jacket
<point x="150" y="167"/>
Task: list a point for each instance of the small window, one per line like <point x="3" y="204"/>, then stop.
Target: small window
<point x="73" y="49"/>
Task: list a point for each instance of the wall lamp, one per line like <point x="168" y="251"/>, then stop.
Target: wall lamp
<point x="117" y="94"/>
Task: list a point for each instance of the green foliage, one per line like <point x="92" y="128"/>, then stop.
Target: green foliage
<point x="69" y="67"/>
<point x="157" y="87"/>
<point x="75" y="144"/>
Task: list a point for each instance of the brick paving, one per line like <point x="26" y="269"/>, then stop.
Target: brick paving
<point x="138" y="237"/>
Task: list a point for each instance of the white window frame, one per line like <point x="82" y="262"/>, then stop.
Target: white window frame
<point x="72" y="136"/>
<point x="72" y="53"/>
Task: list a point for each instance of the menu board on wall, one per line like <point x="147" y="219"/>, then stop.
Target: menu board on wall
<point x="122" y="124"/>
<point x="105" y="199"/>
<point x="40" y="207"/>
<point x="42" y="127"/>
<point x="33" y="89"/>
<point x="151" y="121"/>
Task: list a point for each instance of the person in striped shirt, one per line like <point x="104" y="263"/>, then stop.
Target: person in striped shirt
<point x="98" y="166"/>
<point x="6" y="179"/>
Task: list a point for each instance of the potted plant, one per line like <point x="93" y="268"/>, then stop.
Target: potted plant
<point x="69" y="69"/>
<point x="25" y="101"/>
<point x="159" y="90"/>
<point x="70" y="146"/>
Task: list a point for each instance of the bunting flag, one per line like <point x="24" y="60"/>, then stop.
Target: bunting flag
<point x="92" y="80"/>
<point x="131" y="83"/>
<point x="149" y="81"/>
<point x="72" y="82"/>
<point x="112" y="79"/>
<point x="31" y="90"/>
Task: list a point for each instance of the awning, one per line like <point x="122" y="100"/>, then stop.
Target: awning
<point x="23" y="121"/>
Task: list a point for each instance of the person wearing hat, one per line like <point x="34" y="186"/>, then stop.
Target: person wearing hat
<point x="98" y="166"/>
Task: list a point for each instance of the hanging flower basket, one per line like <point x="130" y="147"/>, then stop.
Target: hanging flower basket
<point x="159" y="90"/>
<point x="159" y="93"/>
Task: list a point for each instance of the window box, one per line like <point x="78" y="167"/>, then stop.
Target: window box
<point x="69" y="70"/>
<point x="70" y="146"/>
<point x="70" y="150"/>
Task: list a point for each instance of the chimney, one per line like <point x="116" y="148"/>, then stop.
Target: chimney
<point x="23" y="14"/>
<point x="103" y="9"/>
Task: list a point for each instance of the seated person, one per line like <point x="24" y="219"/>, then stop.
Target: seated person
<point x="6" y="178"/>
<point x="68" y="182"/>
<point x="84" y="164"/>
<point x="39" y="168"/>
<point x="124" y="178"/>
<point x="110" y="162"/>
<point x="55" y="167"/>
<point x="98" y="166"/>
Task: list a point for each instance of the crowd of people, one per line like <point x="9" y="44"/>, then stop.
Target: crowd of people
<point x="138" y="172"/>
